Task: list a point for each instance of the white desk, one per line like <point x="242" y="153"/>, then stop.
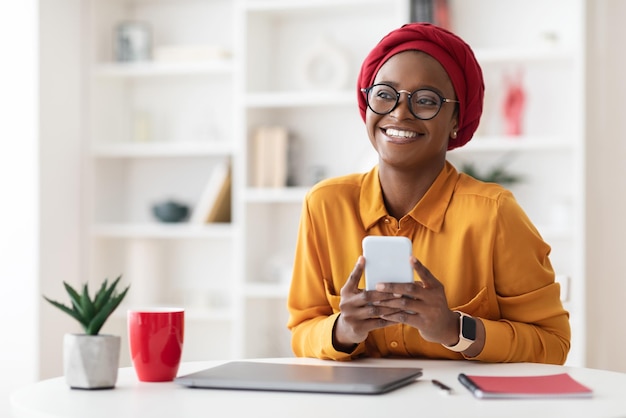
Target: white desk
<point x="131" y="398"/>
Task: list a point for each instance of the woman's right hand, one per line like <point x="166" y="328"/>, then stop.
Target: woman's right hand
<point x="358" y="314"/>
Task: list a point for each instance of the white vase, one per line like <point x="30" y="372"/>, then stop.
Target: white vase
<point x="91" y="361"/>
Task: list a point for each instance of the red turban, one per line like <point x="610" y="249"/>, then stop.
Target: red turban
<point x="455" y="56"/>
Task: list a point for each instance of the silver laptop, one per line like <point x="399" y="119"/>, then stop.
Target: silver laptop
<point x="329" y="378"/>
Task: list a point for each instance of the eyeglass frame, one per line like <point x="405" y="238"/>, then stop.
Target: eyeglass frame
<point x="367" y="90"/>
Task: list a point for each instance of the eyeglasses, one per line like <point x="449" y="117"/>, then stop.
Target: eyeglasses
<point x="424" y="104"/>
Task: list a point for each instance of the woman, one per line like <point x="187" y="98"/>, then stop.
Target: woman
<point x="486" y="288"/>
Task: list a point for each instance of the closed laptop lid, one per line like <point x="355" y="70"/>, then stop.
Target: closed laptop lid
<point x="330" y="378"/>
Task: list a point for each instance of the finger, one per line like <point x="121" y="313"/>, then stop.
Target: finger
<point x="355" y="276"/>
<point x="427" y="278"/>
<point x="396" y="290"/>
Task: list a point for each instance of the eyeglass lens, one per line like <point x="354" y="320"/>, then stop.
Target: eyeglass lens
<point x="423" y="103"/>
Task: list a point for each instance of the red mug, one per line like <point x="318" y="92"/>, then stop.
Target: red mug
<point x="155" y="337"/>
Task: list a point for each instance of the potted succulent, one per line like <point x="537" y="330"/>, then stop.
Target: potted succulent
<point x="91" y="360"/>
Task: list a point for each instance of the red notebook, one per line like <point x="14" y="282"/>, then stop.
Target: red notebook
<point x="549" y="386"/>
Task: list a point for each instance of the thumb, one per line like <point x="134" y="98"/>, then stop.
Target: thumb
<point x="427" y="278"/>
<point x="355" y="276"/>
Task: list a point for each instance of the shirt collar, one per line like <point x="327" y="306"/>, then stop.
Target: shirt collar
<point x="429" y="211"/>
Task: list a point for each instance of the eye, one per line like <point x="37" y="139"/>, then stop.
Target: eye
<point x="426" y="98"/>
<point x="384" y="93"/>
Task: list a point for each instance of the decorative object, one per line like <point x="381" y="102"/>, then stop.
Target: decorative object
<point x="133" y="42"/>
<point x="324" y="65"/>
<point x="170" y="211"/>
<point x="91" y="360"/>
<point x="513" y="105"/>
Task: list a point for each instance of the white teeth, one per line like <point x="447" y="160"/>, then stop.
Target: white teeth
<point x="402" y="134"/>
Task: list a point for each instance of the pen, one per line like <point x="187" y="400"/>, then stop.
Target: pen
<point x="445" y="388"/>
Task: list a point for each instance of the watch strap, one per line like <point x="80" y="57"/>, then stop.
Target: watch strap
<point x="464" y="343"/>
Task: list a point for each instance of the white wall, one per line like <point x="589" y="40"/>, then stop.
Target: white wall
<point x="19" y="195"/>
<point x="60" y="165"/>
<point x="40" y="183"/>
<point x="606" y="185"/>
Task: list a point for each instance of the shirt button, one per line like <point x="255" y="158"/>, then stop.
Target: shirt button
<point x="394" y="344"/>
<point x="387" y="221"/>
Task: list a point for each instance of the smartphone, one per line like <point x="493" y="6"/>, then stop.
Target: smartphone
<point x="387" y="260"/>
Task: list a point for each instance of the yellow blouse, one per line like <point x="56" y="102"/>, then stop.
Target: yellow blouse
<point x="473" y="236"/>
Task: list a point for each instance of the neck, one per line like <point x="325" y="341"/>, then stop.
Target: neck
<point x="402" y="190"/>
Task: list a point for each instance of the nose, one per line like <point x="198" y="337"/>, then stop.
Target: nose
<point x="407" y="107"/>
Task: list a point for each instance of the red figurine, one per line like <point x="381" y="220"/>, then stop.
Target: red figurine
<point x="513" y="105"/>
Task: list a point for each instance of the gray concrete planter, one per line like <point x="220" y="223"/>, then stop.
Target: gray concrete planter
<point x="91" y="361"/>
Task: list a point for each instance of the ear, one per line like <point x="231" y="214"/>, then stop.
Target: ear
<point x="454" y="128"/>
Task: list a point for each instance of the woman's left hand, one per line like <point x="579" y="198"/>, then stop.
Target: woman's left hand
<point x="423" y="306"/>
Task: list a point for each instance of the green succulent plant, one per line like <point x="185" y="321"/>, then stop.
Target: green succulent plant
<point x="497" y="174"/>
<point x="92" y="313"/>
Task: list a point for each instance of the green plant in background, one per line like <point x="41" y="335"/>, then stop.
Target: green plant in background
<point x="497" y="174"/>
<point x="92" y="313"/>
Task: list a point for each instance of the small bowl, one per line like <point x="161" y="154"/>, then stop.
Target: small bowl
<point x="170" y="211"/>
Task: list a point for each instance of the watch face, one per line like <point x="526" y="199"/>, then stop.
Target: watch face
<point x="469" y="328"/>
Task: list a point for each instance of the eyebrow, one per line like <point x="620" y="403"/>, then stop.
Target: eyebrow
<point x="427" y="87"/>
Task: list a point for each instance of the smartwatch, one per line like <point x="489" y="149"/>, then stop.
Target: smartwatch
<point x="467" y="333"/>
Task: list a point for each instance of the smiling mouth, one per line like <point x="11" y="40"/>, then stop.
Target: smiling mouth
<point x="397" y="135"/>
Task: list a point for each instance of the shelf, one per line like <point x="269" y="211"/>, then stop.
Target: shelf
<point x="157" y="230"/>
<point x="267" y="290"/>
<point x="300" y="99"/>
<point x="541" y="54"/>
<point x="275" y="195"/>
<point x="208" y="314"/>
<point x="162" y="149"/>
<point x="153" y="69"/>
<point x="514" y="143"/>
<point x="279" y="6"/>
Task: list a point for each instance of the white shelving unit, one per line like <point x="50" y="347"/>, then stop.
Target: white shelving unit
<point x="321" y="115"/>
<point x="156" y="129"/>
<point x="537" y="41"/>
